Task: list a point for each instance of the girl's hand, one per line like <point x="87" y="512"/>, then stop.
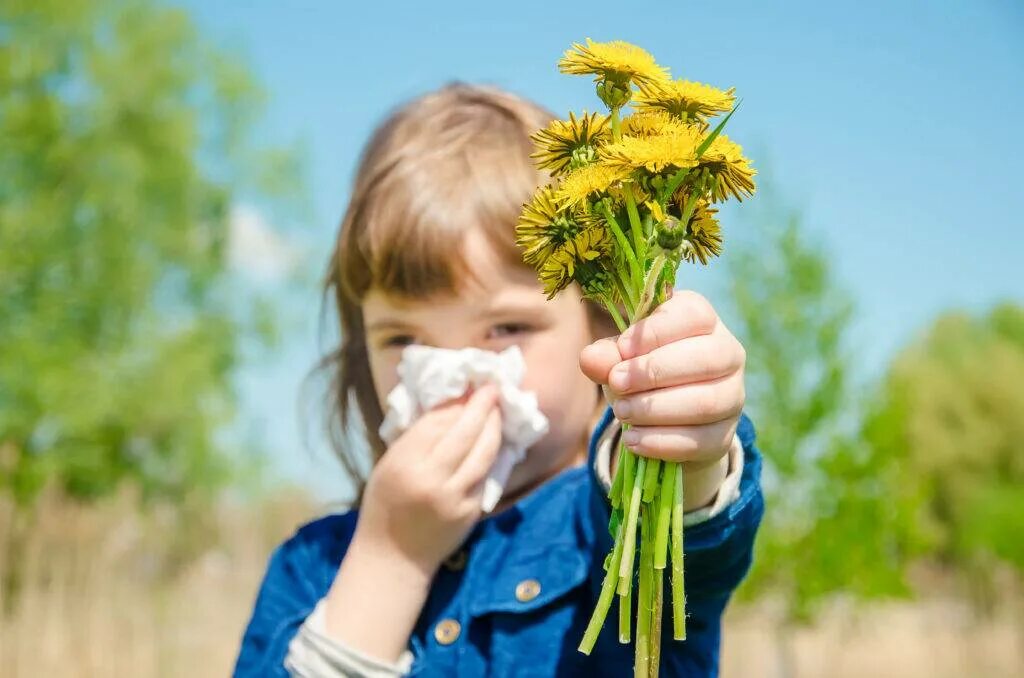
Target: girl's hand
<point x="424" y="495"/>
<point x="677" y="378"/>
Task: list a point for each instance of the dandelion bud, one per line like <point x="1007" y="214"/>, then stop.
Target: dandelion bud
<point x="670" y="234"/>
<point x="614" y="95"/>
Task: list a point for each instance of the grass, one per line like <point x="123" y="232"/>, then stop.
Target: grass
<point x="111" y="590"/>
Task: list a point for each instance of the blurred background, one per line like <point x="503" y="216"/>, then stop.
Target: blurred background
<point x="171" y="178"/>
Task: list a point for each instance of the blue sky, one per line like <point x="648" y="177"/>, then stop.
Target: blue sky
<point x="894" y="128"/>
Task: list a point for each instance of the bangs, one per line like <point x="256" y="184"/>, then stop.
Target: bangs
<point x="405" y="232"/>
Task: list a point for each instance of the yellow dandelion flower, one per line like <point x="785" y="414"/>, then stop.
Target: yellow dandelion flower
<point x="543" y="226"/>
<point x="570" y="143"/>
<point x="703" y="239"/>
<point x="724" y="160"/>
<point x="539" y="229"/>
<point x="568" y="261"/>
<point x="684" y="99"/>
<point x="649" y="122"/>
<point x="654" y="153"/>
<point x="615" y="64"/>
<point x="584" y="182"/>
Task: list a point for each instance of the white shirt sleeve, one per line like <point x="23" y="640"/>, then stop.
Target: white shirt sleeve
<point x="314" y="654"/>
<point x="727" y="493"/>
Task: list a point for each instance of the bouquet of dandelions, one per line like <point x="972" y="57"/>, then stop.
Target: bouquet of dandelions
<point x="631" y="197"/>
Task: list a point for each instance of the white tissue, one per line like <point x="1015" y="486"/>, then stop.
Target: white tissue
<point x="430" y="376"/>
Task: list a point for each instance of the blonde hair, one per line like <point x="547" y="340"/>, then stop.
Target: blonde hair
<point x="451" y="160"/>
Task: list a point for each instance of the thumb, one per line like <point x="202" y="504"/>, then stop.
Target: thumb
<point x="598" y="359"/>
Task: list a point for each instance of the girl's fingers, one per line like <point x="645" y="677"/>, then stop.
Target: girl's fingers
<point x="692" y="360"/>
<point x="682" y="443"/>
<point x="475" y="466"/>
<point x="688" y="405"/>
<point x="598" y="358"/>
<point x="685" y="314"/>
<point x="452" y="447"/>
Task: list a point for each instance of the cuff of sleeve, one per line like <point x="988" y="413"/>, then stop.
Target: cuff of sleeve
<point x="313" y="653"/>
<point x="728" y="492"/>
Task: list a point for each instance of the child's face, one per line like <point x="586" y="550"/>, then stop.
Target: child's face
<point x="505" y="307"/>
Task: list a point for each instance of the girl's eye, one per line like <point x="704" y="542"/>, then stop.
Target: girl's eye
<point x="400" y="340"/>
<point x="509" y="329"/>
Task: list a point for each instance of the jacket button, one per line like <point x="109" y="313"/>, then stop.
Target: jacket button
<point x="456" y="561"/>
<point x="447" y="631"/>
<point x="527" y="590"/>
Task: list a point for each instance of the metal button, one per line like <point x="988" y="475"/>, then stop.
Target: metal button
<point x="447" y="631"/>
<point x="457" y="561"/>
<point x="527" y="590"/>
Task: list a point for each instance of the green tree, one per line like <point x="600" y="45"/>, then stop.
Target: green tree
<point x="123" y="143"/>
<point x="829" y="524"/>
<point x="950" y="416"/>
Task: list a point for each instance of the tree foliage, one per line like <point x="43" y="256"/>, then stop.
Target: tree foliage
<point x="123" y="142"/>
<point x="950" y="415"/>
<point x="829" y="523"/>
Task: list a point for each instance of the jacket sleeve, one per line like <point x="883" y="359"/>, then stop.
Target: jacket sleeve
<point x="298" y="574"/>
<point x="718" y="555"/>
<point x="719" y="551"/>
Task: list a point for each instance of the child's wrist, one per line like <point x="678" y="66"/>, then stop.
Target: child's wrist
<point x="375" y="599"/>
<point x="380" y="555"/>
<point x="702" y="481"/>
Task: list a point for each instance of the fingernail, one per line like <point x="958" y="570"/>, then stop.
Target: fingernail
<point x="622" y="409"/>
<point x="619" y="378"/>
<point x="630" y="437"/>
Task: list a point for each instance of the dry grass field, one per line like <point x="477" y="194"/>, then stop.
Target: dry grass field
<point x="111" y="591"/>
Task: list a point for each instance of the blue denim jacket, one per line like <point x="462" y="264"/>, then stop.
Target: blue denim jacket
<point x="557" y="535"/>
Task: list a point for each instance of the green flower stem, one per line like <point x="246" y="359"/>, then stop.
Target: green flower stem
<point x="678" y="584"/>
<point x="666" y="495"/>
<point x="604" y="601"/>
<point x="636" y="228"/>
<point x="616" y="124"/>
<point x="615" y="492"/>
<point x="625" y="616"/>
<point x="636" y="271"/>
<point x="627" y="462"/>
<point x="629" y="548"/>
<point x="691" y="204"/>
<point x="626" y="292"/>
<point x="614" y="313"/>
<point x="648" y="299"/>
<point x="651" y="480"/>
<point x="673" y="183"/>
<point x="645" y="600"/>
<point x="656" y="612"/>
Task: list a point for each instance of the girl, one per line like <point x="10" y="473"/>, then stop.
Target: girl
<point x="416" y="580"/>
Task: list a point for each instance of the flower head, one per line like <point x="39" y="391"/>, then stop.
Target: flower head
<point x="725" y="163"/>
<point x="582" y="183"/>
<point x="567" y="144"/>
<point x="651" y="121"/>
<point x="575" y="259"/>
<point x="684" y="99"/>
<point x="616" y="65"/>
<point x="540" y="228"/>
<point x="655" y="153"/>
<point x="703" y="238"/>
